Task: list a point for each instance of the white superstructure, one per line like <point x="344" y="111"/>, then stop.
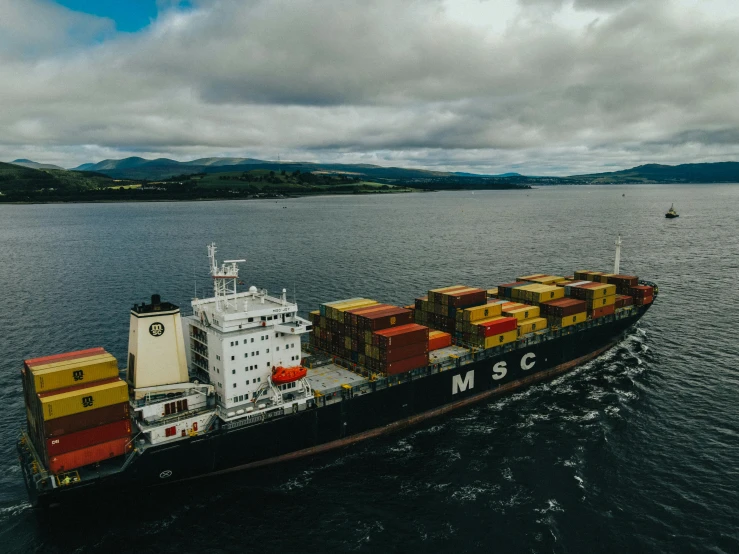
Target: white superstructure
<point x="236" y="339"/>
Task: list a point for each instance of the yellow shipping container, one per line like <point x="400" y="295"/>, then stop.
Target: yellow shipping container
<point x="600" y="302"/>
<point x="493" y="292"/>
<point x="604" y="277"/>
<point x="84" y="399"/>
<point x="551" y="292"/>
<point x="524" y="312"/>
<point x="530" y="277"/>
<point x="600" y="291"/>
<point x="58" y="364"/>
<point x="520" y="293"/>
<point x="499" y="340"/>
<point x="477" y="313"/>
<point x="85" y="370"/>
<point x="531" y="325"/>
<point x="548" y="279"/>
<point x="569" y="320"/>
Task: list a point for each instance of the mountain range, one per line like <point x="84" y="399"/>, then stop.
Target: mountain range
<point x="137" y="168"/>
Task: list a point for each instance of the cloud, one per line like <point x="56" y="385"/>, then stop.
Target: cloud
<point x="385" y="80"/>
<point x="33" y="28"/>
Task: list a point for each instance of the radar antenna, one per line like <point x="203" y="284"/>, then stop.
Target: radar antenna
<point x="225" y="279"/>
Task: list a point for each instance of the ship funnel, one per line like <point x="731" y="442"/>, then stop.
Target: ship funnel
<point x="156" y="346"/>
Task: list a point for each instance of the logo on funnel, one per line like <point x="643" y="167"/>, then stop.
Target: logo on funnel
<point x="156" y="329"/>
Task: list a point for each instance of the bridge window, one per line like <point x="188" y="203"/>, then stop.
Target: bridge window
<point x="247" y="381"/>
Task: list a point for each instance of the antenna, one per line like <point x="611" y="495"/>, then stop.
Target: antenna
<point x="225" y="278"/>
<point x="617" y="261"/>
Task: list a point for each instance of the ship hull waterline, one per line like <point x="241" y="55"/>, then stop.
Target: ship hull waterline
<point x="342" y="423"/>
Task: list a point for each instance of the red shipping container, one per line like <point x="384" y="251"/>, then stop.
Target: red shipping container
<point x="88" y="437"/>
<point x="85" y="420"/>
<point x="643" y="301"/>
<point x="622" y="280"/>
<point x="392" y="317"/>
<point x="90" y="455"/>
<point x="404" y="352"/>
<point x="622" y="301"/>
<point x="400" y="336"/>
<point x="66" y="356"/>
<point x="440" y="340"/>
<point x="603" y="310"/>
<point x="563" y="307"/>
<point x="466" y="299"/>
<point x="640" y="291"/>
<point x="402" y="366"/>
<point x="502" y="325"/>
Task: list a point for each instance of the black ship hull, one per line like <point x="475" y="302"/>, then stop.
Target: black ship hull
<point x="336" y="422"/>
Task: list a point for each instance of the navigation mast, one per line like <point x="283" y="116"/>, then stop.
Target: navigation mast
<point x="225" y="279"/>
<point x="617" y="261"/>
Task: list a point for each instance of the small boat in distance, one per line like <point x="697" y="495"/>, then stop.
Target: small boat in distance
<point x="671" y="213"/>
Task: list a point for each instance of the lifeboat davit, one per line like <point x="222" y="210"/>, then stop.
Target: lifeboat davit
<point x="282" y="375"/>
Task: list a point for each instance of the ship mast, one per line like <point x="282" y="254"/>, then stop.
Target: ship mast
<point x="617" y="261"/>
<point x="225" y="279"/>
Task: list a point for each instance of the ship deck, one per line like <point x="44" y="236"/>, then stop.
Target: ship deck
<point x="331" y="376"/>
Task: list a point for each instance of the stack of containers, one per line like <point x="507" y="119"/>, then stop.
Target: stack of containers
<point x="600" y="298"/>
<point x="399" y="349"/>
<point x="77" y="408"/>
<point x="485" y="326"/>
<point x="642" y="294"/>
<point x="528" y="318"/>
<point x="564" y="311"/>
<point x="439" y="309"/>
<point x="329" y="326"/>
<point x="379" y="337"/>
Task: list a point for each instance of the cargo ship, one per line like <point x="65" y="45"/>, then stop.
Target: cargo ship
<point x="244" y="381"/>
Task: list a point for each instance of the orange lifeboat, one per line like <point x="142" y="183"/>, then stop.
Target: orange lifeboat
<point x="282" y="375"/>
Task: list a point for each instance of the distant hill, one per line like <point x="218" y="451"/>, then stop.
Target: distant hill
<point x="35" y="165"/>
<point x="23" y="183"/>
<point x="164" y="168"/>
<point x="719" y="172"/>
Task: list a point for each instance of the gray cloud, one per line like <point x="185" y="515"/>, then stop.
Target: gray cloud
<point x="389" y="81"/>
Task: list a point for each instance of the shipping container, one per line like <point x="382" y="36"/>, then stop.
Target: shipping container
<point x="65" y="356"/>
<point x="89" y="437"/>
<point x="601" y="302"/>
<point x="74" y="372"/>
<point x="563" y="307"/>
<point x="401" y="336"/>
<point x="523" y="312"/>
<point x="568" y="320"/>
<point x="74" y="400"/>
<point x="591" y="290"/>
<point x="528" y="326"/>
<point x="477" y="313"/>
<point x="493" y="292"/>
<point x="640" y="291"/>
<point x="497" y="326"/>
<point x="530" y="277"/>
<point x="643" y="301"/>
<point x="439" y="339"/>
<point x="397" y="353"/>
<point x="623" y="280"/>
<point x="603" y="311"/>
<point x="402" y="366"/>
<point x="550" y="292"/>
<point x="622" y="301"/>
<point x="89" y="455"/>
<point x="501" y="339"/>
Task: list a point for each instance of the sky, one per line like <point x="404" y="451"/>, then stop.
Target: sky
<point x="541" y="87"/>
